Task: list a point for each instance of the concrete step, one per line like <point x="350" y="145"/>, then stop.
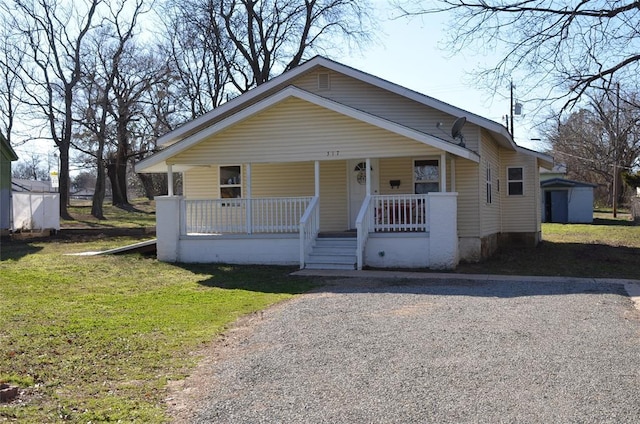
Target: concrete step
<point x="331" y="250"/>
<point x="328" y="266"/>
<point x="343" y="242"/>
<point x="329" y="259"/>
<point x="333" y="253"/>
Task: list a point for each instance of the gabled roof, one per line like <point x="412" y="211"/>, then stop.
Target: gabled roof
<point x="152" y="163"/>
<point x="6" y="150"/>
<point x="500" y="132"/>
<point x="561" y="182"/>
<point x="278" y="88"/>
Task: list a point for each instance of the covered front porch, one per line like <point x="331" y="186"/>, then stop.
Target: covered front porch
<point x="378" y="229"/>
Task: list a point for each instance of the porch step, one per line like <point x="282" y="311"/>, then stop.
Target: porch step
<point x="333" y="253"/>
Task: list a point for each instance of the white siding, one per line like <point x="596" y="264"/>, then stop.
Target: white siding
<point x="520" y="213"/>
<point x="393" y="107"/>
<point x="315" y="132"/>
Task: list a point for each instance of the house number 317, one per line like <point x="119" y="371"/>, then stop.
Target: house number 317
<point x="333" y="153"/>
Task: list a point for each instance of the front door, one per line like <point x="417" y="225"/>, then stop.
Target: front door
<point x="358" y="186"/>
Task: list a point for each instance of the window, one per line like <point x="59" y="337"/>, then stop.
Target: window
<point x="426" y="176"/>
<point x="489" y="184"/>
<point x="515" y="181"/>
<point x="230" y="182"/>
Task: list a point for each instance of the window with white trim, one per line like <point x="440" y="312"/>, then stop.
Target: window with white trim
<point x="426" y="175"/>
<point x="489" y="184"/>
<point x="230" y="182"/>
<point x="515" y="181"/>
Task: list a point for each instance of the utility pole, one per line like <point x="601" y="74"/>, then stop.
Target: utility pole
<point x="615" y="153"/>
<point x="511" y="108"/>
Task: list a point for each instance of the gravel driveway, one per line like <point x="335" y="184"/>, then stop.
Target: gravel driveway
<point x="363" y="351"/>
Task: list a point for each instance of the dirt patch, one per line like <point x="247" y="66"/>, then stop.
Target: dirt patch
<point x="185" y="397"/>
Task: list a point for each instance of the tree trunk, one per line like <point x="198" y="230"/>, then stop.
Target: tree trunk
<point x="64" y="182"/>
<point x="98" y="194"/>
<point x="147" y="185"/>
<point x="116" y="194"/>
<point x="121" y="176"/>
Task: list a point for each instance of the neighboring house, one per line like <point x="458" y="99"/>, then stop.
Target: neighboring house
<point x="31" y="186"/>
<point x="566" y="201"/>
<point x="558" y="171"/>
<point x="328" y="166"/>
<point x="7" y="155"/>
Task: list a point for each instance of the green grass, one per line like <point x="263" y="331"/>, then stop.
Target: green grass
<point x="141" y="214"/>
<point x="95" y="339"/>
<point x="608" y="248"/>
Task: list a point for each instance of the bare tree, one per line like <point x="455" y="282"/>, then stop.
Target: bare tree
<point x="10" y="62"/>
<point x="599" y="142"/>
<point x="101" y="67"/>
<point x="570" y="47"/>
<point x="54" y="33"/>
<point x="30" y="168"/>
<point x="255" y="40"/>
<point x="196" y="53"/>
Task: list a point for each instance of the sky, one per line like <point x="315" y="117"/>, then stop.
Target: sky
<point x="409" y="53"/>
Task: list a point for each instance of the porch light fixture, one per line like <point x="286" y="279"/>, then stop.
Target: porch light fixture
<point x="394" y="183"/>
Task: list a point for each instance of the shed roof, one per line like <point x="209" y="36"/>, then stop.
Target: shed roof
<point x="564" y="183"/>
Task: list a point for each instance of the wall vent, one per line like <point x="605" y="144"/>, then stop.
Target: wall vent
<point x="323" y="81"/>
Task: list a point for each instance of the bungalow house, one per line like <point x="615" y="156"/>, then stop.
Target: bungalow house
<point x="328" y="166"/>
<point x="7" y="155"/>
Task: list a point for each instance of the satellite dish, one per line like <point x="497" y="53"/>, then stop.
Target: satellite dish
<point x="457" y="126"/>
<point x="456" y="130"/>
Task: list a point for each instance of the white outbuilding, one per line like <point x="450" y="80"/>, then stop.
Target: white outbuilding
<point x="567" y="201"/>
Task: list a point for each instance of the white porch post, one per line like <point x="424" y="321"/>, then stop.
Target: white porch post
<point x="169" y="180"/>
<point x="443" y="170"/>
<point x="443" y="230"/>
<point x="317" y="190"/>
<point x="368" y="174"/>
<point x="453" y="174"/>
<point x="249" y="208"/>
<point x="169" y="221"/>
<point x="317" y="178"/>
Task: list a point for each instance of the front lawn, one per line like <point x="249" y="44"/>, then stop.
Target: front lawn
<point x="95" y="339"/>
<point x="608" y="248"/>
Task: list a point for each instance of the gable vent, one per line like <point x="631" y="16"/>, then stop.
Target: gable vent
<point x="323" y="81"/>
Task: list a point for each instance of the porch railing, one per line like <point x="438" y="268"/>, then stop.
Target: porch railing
<point x="364" y="223"/>
<point x="243" y="216"/>
<point x="401" y="212"/>
<point x="309" y="228"/>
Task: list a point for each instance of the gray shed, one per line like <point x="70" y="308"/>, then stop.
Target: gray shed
<point x="567" y="201"/>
